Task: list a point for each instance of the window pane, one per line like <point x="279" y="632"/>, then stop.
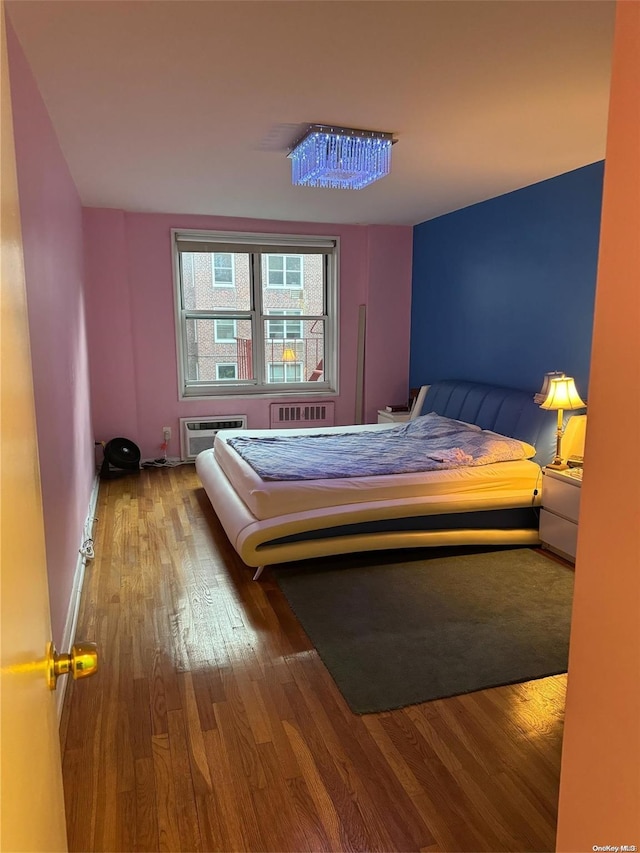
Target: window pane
<point x="225" y="330"/>
<point x="275" y="329"/>
<point x="301" y="287"/>
<point x="281" y="328"/>
<point x="206" y="352"/>
<point x="223" y="269"/>
<point x="276" y="373"/>
<point x="215" y="280"/>
<point x="227" y="371"/>
<point x="305" y="348"/>
<point x="287" y="372"/>
<point x="293" y="328"/>
<point x="282" y="271"/>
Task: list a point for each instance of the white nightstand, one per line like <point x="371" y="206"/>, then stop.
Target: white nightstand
<point x="560" y="508"/>
<point x="385" y="417"/>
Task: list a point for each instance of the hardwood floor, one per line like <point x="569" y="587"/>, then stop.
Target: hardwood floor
<point x="213" y="725"/>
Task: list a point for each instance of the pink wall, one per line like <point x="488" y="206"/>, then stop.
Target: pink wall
<point x="388" y="317"/>
<point x="131" y="327"/>
<point x="600" y="776"/>
<point x="51" y="217"/>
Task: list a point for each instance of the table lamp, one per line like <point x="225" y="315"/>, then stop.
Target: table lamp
<point x="541" y="396"/>
<point x="288" y="353"/>
<point x="561" y="394"/>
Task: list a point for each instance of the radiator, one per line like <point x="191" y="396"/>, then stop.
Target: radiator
<point x="302" y="415"/>
<point x="197" y="434"/>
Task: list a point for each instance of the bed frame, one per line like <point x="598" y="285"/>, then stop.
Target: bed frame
<point x="493" y="519"/>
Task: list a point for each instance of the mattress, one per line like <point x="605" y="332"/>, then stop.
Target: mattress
<point x="272" y="499"/>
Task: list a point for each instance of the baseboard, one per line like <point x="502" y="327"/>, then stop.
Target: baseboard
<point x="69" y="635"/>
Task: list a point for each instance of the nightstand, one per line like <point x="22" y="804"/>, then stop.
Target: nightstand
<point x="560" y="508"/>
<point x="385" y="417"/>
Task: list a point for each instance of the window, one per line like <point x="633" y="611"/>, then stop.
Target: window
<point x="224" y="331"/>
<point x="285" y="372"/>
<point x="284" y="271"/>
<point x="222" y="269"/>
<point x="269" y="323"/>
<point x="226" y="371"/>
<point x="281" y="329"/>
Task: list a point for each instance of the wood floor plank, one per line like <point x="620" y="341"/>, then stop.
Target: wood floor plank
<point x="199" y="768"/>
<point x="166" y="803"/>
<point x="224" y="814"/>
<point x="106" y="826"/>
<point x="146" y="820"/>
<point x="188" y="824"/>
<point x="318" y="793"/>
<point x="373" y="788"/>
<point x="336" y="781"/>
<point x="273" y="806"/>
<point x="277" y="709"/>
<point x="80" y="804"/>
<point x="207" y="689"/>
<point x="126" y="821"/>
<point x="245" y="771"/>
<point x="216" y="726"/>
<point x="436" y="803"/>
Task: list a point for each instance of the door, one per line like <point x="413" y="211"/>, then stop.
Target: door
<point x="32" y="811"/>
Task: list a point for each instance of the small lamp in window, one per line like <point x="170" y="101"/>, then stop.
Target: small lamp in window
<point x="561" y="395"/>
<point x="288" y="353"/>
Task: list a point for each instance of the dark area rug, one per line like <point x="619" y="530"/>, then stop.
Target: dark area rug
<point x="395" y="629"/>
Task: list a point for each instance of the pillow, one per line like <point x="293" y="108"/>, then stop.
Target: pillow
<point x="528" y="450"/>
<point x="433" y="424"/>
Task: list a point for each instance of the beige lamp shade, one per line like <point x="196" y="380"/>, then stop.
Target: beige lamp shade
<point x="562" y="394"/>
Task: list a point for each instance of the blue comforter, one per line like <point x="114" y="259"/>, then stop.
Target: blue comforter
<point x="428" y="443"/>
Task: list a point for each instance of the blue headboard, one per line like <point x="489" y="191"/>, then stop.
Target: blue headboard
<point x="503" y="410"/>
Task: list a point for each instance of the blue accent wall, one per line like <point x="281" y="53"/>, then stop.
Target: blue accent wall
<point x="504" y="290"/>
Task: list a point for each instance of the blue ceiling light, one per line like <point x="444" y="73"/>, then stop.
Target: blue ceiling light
<point x="340" y="157"/>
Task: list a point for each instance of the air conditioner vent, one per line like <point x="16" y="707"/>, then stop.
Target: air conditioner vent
<point x="197" y="434"/>
<point x="302" y="414"/>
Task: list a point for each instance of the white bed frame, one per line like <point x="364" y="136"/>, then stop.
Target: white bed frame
<point x="504" y="410"/>
<point x="253" y="538"/>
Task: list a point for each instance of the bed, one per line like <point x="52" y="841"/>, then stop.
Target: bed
<point x="275" y="521"/>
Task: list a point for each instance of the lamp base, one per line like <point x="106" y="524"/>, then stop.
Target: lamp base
<point x="557" y="466"/>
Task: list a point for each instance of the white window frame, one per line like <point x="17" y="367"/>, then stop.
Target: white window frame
<point x="284" y="316"/>
<point x="233" y="364"/>
<point x="285" y="365"/>
<point x="227" y="284"/>
<point x="219" y="340"/>
<point x="284" y="285"/>
<point x="257" y="245"/>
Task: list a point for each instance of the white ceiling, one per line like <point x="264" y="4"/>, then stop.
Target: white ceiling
<point x="189" y="106"/>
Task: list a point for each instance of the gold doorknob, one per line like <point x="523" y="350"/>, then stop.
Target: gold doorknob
<point x="82" y="661"/>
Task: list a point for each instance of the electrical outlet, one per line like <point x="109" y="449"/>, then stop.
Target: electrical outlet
<point x="166" y="433"/>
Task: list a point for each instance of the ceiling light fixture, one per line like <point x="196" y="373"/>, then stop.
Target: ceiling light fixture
<point x="340" y="157"/>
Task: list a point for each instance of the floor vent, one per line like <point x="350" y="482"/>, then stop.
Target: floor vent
<point x="302" y="415"/>
<point x="197" y="434"/>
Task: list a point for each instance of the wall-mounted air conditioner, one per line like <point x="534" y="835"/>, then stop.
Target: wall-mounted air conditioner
<point x="197" y="434"/>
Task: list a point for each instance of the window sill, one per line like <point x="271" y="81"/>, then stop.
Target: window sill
<point x="257" y="393"/>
